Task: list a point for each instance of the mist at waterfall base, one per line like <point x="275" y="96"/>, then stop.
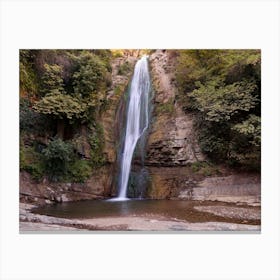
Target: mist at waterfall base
<point x="137" y="122"/>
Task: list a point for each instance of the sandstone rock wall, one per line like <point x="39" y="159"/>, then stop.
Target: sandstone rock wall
<point x="172" y="139"/>
<point x="237" y="188"/>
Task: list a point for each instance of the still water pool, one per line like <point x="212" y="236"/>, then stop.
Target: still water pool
<point x="173" y="209"/>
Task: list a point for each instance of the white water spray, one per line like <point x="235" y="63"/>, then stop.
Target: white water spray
<point x="137" y="120"/>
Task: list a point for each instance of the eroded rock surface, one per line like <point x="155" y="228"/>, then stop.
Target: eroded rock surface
<point x="97" y="186"/>
<point x="172" y="139"/>
<point x="237" y="188"/>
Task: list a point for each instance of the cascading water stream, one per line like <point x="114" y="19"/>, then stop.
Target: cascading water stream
<point x="137" y="120"/>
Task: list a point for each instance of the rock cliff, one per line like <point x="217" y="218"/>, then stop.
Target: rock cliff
<point x="172" y="141"/>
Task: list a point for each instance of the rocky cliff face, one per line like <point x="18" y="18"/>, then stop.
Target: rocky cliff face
<point x="172" y="141"/>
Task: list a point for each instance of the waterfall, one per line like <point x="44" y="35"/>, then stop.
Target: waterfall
<point x="137" y="120"/>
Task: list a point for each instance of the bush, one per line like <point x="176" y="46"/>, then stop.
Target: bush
<point x="57" y="156"/>
<point x="96" y="140"/>
<point x="31" y="161"/>
<point x="33" y="122"/>
<point x="204" y="168"/>
<point x="119" y="89"/>
<point x="57" y="160"/>
<point x="90" y="78"/>
<point x="125" y="68"/>
<point x="79" y="170"/>
<point x="165" y="108"/>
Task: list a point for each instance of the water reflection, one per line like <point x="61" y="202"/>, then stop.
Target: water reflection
<point x="113" y="207"/>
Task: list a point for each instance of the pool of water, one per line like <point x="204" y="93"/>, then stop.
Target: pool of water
<point x="176" y="209"/>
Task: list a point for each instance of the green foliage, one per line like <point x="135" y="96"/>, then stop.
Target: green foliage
<point x="89" y="79"/>
<point x="165" y="108"/>
<point x="89" y="76"/>
<point x="79" y="170"/>
<point x="52" y="80"/>
<point x="105" y="55"/>
<point x="60" y="90"/>
<point x="118" y="90"/>
<point x="57" y="160"/>
<point x="251" y="129"/>
<point x="204" y="168"/>
<point x="248" y="136"/>
<point x="31" y="121"/>
<point x="220" y="102"/>
<point x="228" y="65"/>
<point x="223" y="87"/>
<point x="27" y="75"/>
<point x="60" y="106"/>
<point x="125" y="68"/>
<point x="31" y="161"/>
<point x="96" y="140"/>
<point x="57" y="157"/>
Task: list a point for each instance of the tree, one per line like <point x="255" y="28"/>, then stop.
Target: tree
<point x="52" y="82"/>
<point x="56" y="102"/>
<point x="61" y="107"/>
<point x="223" y="88"/>
<point x="89" y="79"/>
<point x="220" y="102"/>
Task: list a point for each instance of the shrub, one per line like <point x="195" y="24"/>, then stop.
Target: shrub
<point x="96" y="140"/>
<point x="204" y="168"/>
<point x="33" y="122"/>
<point x="125" y="68"/>
<point x="57" y="156"/>
<point x="165" y="108"/>
<point x="31" y="161"/>
<point x="79" y="170"/>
